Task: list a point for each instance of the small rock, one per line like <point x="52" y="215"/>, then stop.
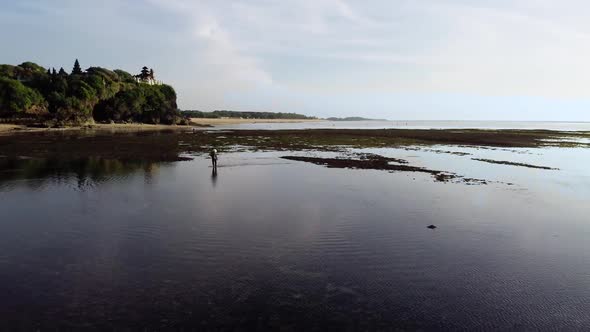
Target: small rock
<point x="431" y="227"/>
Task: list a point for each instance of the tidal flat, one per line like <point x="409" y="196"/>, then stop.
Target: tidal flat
<point x="167" y="142"/>
<point x="295" y="230"/>
<point x="176" y="145"/>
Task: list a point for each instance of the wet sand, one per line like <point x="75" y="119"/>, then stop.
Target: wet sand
<point x="8" y="127"/>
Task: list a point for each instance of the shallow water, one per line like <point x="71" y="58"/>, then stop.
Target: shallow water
<point x="268" y="243"/>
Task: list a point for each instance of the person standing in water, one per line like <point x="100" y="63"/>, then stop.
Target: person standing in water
<point x="213" y="155"/>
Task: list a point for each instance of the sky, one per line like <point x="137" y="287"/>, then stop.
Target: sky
<point x="394" y="59"/>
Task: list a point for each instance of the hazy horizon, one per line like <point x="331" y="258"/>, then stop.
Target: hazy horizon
<point x="413" y="60"/>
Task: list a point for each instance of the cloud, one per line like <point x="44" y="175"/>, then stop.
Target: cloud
<point x="499" y="51"/>
<point x="315" y="54"/>
<point x="219" y="52"/>
<point x="215" y="65"/>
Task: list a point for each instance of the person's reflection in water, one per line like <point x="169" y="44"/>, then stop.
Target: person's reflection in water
<point x="214" y="176"/>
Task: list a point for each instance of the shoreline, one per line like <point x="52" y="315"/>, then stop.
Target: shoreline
<point x="7" y="129"/>
<point x="229" y="121"/>
<point x="196" y="123"/>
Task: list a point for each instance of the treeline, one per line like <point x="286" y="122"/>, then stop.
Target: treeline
<point x="81" y="96"/>
<point x="244" y="115"/>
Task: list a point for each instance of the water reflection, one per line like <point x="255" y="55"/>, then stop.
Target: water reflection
<point x="87" y="172"/>
<point x="214" y="176"/>
<point x="291" y="247"/>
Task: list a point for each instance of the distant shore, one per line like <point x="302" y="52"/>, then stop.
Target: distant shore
<point x="7" y="128"/>
<point x="228" y="121"/>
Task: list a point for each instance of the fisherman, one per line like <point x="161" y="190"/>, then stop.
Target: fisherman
<point x="213" y="155"/>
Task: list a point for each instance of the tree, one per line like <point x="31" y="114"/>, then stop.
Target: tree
<point x="18" y="98"/>
<point x="8" y="71"/>
<point x="32" y="67"/>
<point x="77" y="69"/>
<point x="96" y="92"/>
<point x="124" y="76"/>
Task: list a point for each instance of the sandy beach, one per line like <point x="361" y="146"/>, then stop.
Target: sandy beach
<point x="214" y="122"/>
<point x="9" y="127"/>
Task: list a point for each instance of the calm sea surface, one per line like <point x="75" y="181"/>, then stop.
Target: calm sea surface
<point x="413" y="124"/>
<point x="268" y="243"/>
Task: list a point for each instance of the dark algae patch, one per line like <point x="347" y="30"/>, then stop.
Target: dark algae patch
<point x="501" y="162"/>
<point x="364" y="162"/>
<point x="324" y="138"/>
<point x="377" y="162"/>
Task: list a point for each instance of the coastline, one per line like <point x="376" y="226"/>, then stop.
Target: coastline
<point x="116" y="127"/>
<point x="8" y="128"/>
<point x="227" y="121"/>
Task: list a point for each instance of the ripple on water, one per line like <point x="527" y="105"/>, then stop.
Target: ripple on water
<point x="292" y="246"/>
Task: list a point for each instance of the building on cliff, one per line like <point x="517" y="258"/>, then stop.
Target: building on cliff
<point x="147" y="76"/>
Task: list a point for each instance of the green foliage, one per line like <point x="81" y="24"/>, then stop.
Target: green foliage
<point x="168" y="92"/>
<point x="103" y="81"/>
<point x="32" y="67"/>
<point x="124" y="76"/>
<point x="126" y="105"/>
<point x="104" y="73"/>
<point x="8" y="71"/>
<point x="160" y="104"/>
<point x="16" y="98"/>
<point x="140" y="103"/>
<point x="70" y="99"/>
<point x="81" y="90"/>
